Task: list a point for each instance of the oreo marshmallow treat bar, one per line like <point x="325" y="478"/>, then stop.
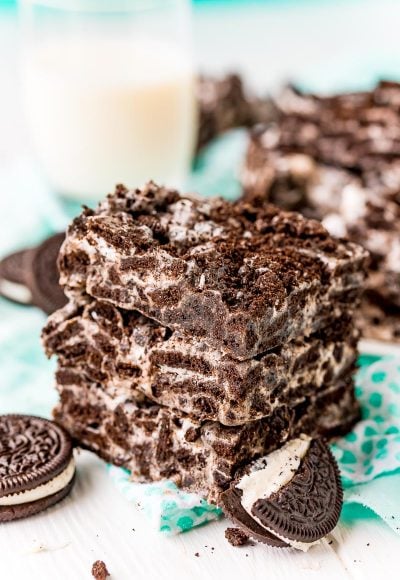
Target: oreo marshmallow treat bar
<point x="244" y="279"/>
<point x="200" y="335"/>
<point x="129" y="353"/>
<point x="155" y="442"/>
<point x="338" y="159"/>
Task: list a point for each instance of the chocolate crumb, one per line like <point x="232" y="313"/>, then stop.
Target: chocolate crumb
<point x="330" y="542"/>
<point x="99" y="570"/>
<point x="197" y="555"/>
<point x="236" y="537"/>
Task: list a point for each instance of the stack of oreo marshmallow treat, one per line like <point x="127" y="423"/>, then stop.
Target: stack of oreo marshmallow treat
<point x="202" y="334"/>
<point x="338" y="159"/>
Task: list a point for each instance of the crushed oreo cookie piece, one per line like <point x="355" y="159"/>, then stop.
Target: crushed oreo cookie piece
<point x="236" y="537"/>
<point x="99" y="570"/>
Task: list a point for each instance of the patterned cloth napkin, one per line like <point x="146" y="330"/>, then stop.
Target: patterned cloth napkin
<point x="369" y="456"/>
<point x="373" y="447"/>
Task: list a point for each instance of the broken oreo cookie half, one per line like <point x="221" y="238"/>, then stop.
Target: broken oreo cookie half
<point x="289" y="498"/>
<point x="43" y="277"/>
<point x="37" y="467"/>
<point x="30" y="276"/>
<point x="13" y="283"/>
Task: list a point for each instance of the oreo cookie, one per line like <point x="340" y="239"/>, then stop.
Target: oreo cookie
<point x="31" y="276"/>
<point x="290" y="498"/>
<point x="37" y="467"/>
<point x="13" y="277"/>
<point x="43" y="276"/>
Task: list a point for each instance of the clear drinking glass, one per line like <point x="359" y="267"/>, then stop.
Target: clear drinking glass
<point x="108" y="87"/>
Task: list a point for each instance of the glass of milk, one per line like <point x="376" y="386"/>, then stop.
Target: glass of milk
<point x="109" y="91"/>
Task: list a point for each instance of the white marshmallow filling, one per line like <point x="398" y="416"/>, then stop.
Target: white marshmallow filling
<point x="41" y="491"/>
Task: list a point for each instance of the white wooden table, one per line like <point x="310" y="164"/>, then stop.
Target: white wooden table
<point x="96" y="522"/>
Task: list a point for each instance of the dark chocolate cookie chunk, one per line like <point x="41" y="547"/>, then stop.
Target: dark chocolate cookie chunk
<point x="44" y="277"/>
<point x="236" y="537"/>
<point x="293" y="497"/>
<point x="13" y="277"/>
<point x="37" y="467"/>
<point x="99" y="570"/>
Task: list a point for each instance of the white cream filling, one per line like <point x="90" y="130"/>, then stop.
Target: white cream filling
<point x="303" y="546"/>
<point x="15" y="291"/>
<point x="51" y="487"/>
<point x="269" y="474"/>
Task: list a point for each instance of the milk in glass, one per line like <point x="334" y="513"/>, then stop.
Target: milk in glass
<point x="108" y="111"/>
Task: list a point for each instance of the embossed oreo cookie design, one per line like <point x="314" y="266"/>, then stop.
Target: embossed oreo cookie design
<point x="309" y="506"/>
<point x="36" y="465"/>
<point x="291" y="497"/>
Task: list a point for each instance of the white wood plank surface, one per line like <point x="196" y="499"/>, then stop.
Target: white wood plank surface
<point x="96" y="522"/>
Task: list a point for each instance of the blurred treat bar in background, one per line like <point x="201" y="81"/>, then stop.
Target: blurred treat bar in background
<point x="337" y="159"/>
<point x="225" y="103"/>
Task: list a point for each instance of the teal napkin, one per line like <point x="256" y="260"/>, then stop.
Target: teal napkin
<point x="169" y="509"/>
<point x="369" y="457"/>
<point x="373" y="447"/>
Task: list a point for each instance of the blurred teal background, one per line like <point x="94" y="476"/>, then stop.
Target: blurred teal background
<point x="323" y="45"/>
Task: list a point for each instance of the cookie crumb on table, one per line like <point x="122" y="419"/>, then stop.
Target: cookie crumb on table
<point x="99" y="570"/>
<point x="236" y="537"/>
